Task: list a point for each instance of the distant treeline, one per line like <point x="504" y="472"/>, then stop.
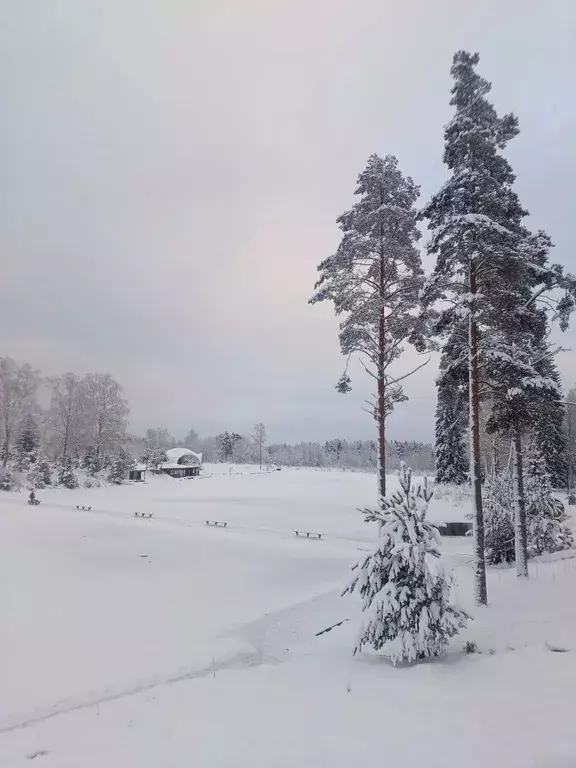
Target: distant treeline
<point x="235" y="448"/>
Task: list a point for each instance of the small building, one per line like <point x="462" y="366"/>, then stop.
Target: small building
<point x="182" y="462"/>
<point x="138" y="474"/>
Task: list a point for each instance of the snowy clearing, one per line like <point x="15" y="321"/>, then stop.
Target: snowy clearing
<point x="136" y="642"/>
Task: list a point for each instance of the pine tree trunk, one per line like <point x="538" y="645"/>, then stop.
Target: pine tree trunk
<point x="520" y="530"/>
<point x="381" y="406"/>
<point x="475" y="466"/>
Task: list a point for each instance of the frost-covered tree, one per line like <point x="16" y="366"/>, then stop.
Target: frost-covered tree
<point x="373" y="280"/>
<point x="450" y="451"/>
<point x="259" y="440"/>
<point x="121" y="466"/>
<point x="406" y="590"/>
<point x="499" y="519"/>
<point x="156" y="457"/>
<point x="156" y="443"/>
<point x="547" y="427"/>
<point x="66" y="474"/>
<point x="18" y="386"/>
<point x="106" y="413"/>
<point x="192" y="441"/>
<point x="67" y="414"/>
<point x="91" y="461"/>
<point x="490" y="270"/>
<point x="40" y="474"/>
<point x="546" y="519"/>
<point x="26" y="443"/>
<point x="227" y="442"/>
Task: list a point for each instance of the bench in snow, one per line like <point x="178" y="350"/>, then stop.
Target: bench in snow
<point x="217" y="523"/>
<point x="81" y="506"/>
<point x="309" y="534"/>
<point x="33" y="502"/>
<point x="150" y="515"/>
<point x="455" y="529"/>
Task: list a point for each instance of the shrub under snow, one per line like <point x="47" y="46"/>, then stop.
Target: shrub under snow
<point x="406" y="590"/>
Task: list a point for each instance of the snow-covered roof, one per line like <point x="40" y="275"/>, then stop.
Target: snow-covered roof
<point x="140" y="467"/>
<point x="181" y="457"/>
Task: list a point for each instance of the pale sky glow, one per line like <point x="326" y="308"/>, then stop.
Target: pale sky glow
<point x="172" y="172"/>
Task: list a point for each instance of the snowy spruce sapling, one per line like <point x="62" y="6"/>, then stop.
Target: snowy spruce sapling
<point x="40" y="474"/>
<point x="406" y="590"/>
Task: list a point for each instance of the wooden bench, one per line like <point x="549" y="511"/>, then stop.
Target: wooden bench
<point x="217" y="523"/>
<point x="80" y="506"/>
<point x="308" y="534"/>
<point x="149" y="515"/>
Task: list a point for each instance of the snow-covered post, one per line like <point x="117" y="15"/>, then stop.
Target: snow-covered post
<point x="520" y="529"/>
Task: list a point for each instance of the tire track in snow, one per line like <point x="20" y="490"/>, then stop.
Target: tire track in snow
<point x="254" y="632"/>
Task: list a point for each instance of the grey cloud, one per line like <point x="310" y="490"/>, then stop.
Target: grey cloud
<point x="172" y="174"/>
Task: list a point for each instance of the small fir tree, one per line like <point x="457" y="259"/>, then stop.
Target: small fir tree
<point x="121" y="466"/>
<point x="40" y="474"/>
<point x="499" y="519"/>
<point x="66" y="474"/>
<point x="26" y="443"/>
<point x="7" y="482"/>
<point x="92" y="461"/>
<point x="546" y="519"/>
<point x="406" y="591"/>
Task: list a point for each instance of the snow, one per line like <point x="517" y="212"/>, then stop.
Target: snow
<point x="129" y="642"/>
<point x="174" y="454"/>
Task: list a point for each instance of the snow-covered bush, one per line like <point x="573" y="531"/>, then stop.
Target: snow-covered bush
<point x="571" y="498"/>
<point x="498" y="505"/>
<point x="66" y="475"/>
<point x="545" y="517"/>
<point x="40" y="474"/>
<point x="406" y="590"/>
<point x="120" y="467"/>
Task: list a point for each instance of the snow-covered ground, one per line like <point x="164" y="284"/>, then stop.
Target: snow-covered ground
<point x="134" y="642"/>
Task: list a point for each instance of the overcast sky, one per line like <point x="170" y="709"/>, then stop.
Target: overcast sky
<point x="172" y="171"/>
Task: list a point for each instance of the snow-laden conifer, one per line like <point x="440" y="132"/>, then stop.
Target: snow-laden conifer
<point x="546" y="519"/>
<point x="121" y="466"/>
<point x="66" y="474"/>
<point x="40" y="474"/>
<point x="405" y="588"/>
<point x="373" y="280"/>
<point x="499" y="519"/>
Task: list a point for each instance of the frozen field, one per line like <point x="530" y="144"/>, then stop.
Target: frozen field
<point x="129" y="642"/>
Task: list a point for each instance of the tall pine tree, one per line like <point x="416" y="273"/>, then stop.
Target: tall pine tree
<point x="373" y="280"/>
<point x="469" y="219"/>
